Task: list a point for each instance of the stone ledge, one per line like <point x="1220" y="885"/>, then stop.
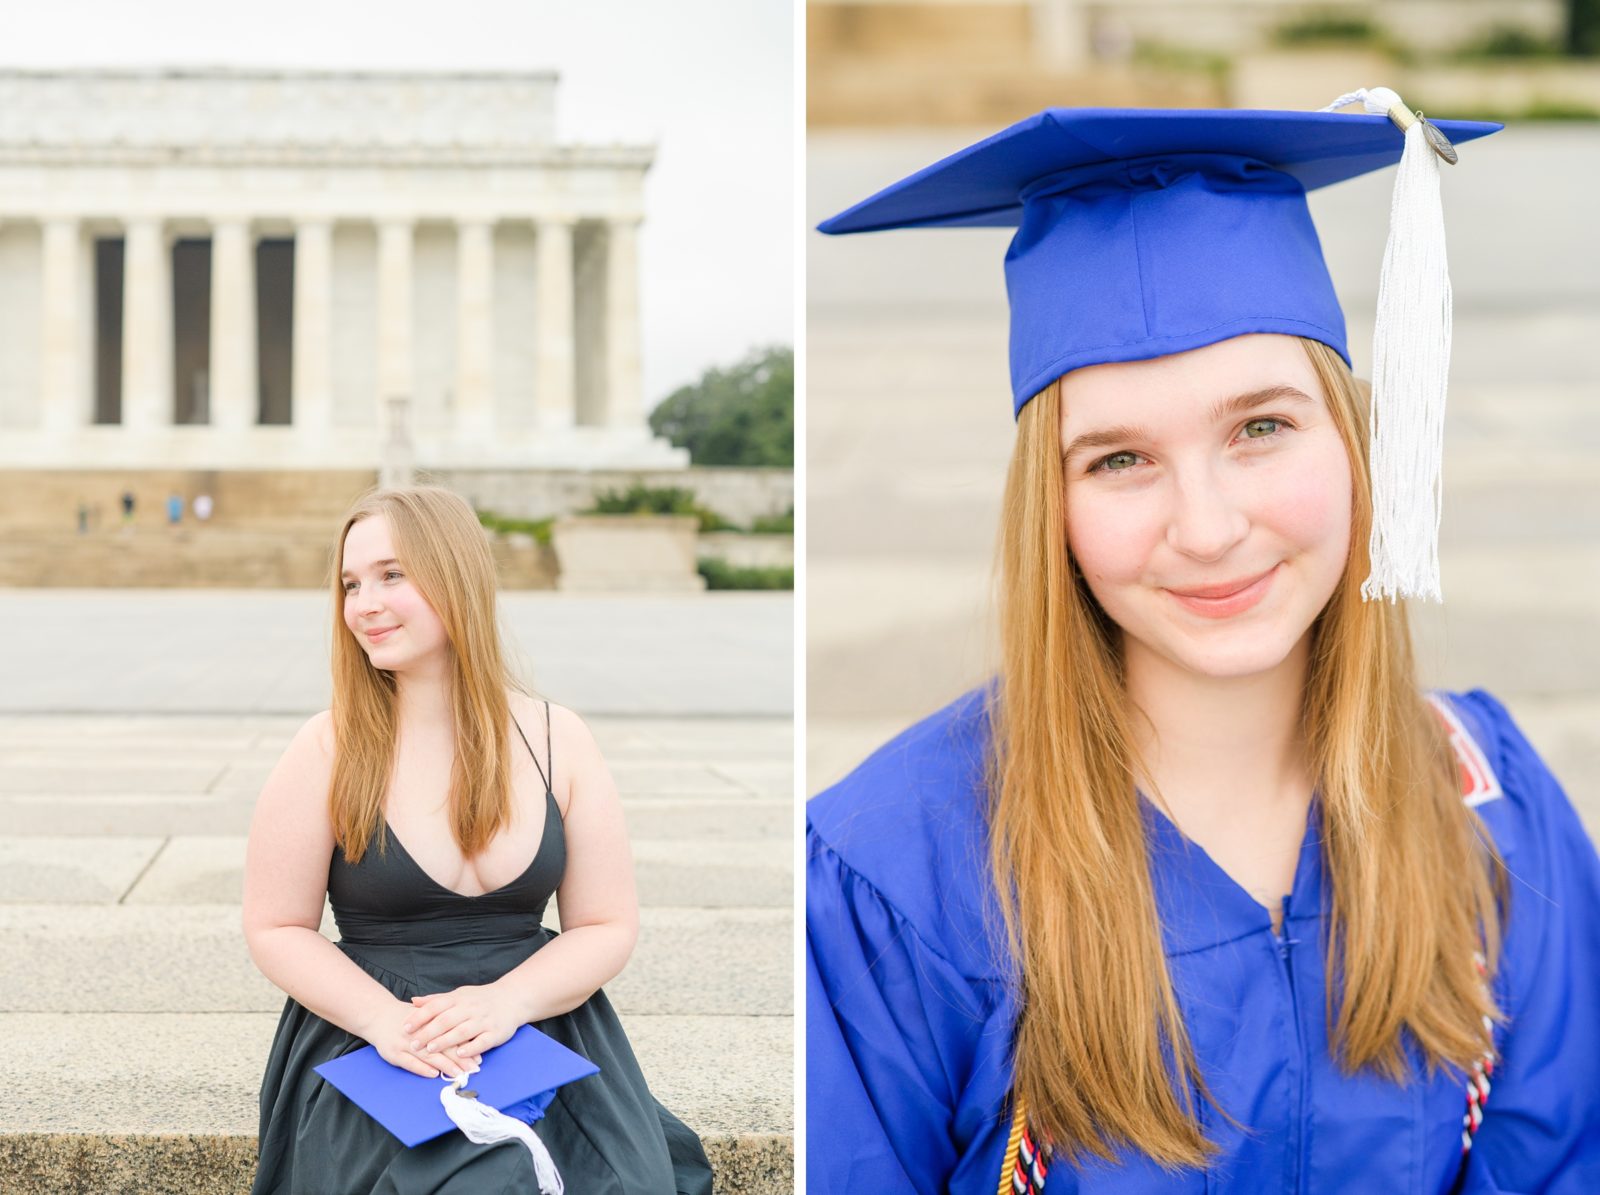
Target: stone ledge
<point x="204" y="1164"/>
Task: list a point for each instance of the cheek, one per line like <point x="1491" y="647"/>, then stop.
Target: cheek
<point x="413" y="609"/>
<point x="1110" y="536"/>
<point x="1309" y="504"/>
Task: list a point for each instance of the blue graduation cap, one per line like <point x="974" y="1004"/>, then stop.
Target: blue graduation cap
<point x="1146" y="232"/>
<point x="513" y="1086"/>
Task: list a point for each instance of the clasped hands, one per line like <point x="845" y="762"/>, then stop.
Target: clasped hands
<point x="446" y="1032"/>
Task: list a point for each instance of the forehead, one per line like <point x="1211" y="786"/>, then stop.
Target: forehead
<point x="367" y="541"/>
<point x="1167" y="391"/>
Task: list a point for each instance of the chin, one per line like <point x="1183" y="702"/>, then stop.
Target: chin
<point x="1248" y="652"/>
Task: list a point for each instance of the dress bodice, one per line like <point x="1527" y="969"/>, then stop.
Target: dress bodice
<point x="387" y="899"/>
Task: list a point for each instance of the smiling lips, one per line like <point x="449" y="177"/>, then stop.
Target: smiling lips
<point x="380" y="635"/>
<point x="1227" y="599"/>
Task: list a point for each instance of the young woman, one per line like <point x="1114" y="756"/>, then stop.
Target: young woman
<point x="1202" y="893"/>
<point x="438" y="808"/>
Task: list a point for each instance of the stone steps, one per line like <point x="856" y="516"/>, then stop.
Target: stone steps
<point x="138" y="1025"/>
<point x="48" y="499"/>
<point x="294" y="554"/>
<point x="270" y="529"/>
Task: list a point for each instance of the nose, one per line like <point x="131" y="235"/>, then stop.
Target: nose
<point x="367" y="603"/>
<point x="1205" y="521"/>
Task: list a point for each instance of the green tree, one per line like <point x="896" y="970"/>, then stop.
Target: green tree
<point x="742" y="415"/>
<point x="1583" y="26"/>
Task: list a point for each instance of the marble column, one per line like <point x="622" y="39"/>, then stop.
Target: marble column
<point x="395" y="376"/>
<point x="62" y="406"/>
<point x="556" y="397"/>
<point x="624" y="390"/>
<point x="311" y="388"/>
<point x="235" y="384"/>
<point x="474" y="401"/>
<point x="147" y="401"/>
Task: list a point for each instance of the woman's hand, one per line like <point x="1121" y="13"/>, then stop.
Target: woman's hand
<point x="386" y="1032"/>
<point x="462" y="1023"/>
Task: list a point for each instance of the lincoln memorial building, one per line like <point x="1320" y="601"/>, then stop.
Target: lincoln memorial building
<point x="246" y="269"/>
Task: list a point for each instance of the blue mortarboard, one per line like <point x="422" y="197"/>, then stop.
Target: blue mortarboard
<point x="1144" y="232"/>
<point x="518" y="1078"/>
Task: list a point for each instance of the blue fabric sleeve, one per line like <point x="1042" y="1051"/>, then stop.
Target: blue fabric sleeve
<point x="1541" y="1127"/>
<point x="892" y="1035"/>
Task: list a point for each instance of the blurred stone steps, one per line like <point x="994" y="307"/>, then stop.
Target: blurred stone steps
<point x="254" y="555"/>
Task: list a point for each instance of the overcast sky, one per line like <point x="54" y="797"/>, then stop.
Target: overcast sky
<point x="709" y="81"/>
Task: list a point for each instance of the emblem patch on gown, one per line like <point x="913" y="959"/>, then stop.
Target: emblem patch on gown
<point x="1478" y="783"/>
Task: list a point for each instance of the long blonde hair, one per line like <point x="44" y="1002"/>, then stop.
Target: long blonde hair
<point x="1102" y="1056"/>
<point x="444" y="552"/>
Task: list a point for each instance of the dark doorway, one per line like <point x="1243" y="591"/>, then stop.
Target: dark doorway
<point x="275" y="329"/>
<point x="191" y="331"/>
<point x="108" y="330"/>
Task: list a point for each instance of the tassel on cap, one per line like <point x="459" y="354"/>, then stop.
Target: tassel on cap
<point x="1410" y="363"/>
<point x="487" y="1125"/>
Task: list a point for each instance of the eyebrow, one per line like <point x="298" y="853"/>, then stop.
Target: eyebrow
<point x="1106" y="437"/>
<point x="375" y="564"/>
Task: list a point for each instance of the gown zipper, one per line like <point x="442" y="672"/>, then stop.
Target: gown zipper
<point x="1297" y="1132"/>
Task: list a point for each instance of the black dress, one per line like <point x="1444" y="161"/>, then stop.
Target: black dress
<point x="607" y="1134"/>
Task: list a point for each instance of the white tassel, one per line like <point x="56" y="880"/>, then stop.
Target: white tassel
<point x="1410" y="369"/>
<point x="487" y="1125"/>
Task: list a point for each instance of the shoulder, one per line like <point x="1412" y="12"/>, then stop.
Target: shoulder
<point x="1502" y="775"/>
<point x="530" y="713"/>
<point x="910" y="824"/>
<point x="317" y="731"/>
<point x="312" y="748"/>
<point x="568" y="744"/>
<point x="1534" y="826"/>
<point x="296" y="791"/>
<point x="934" y="769"/>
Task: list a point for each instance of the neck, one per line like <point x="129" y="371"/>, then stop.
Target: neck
<point x="1215" y="746"/>
<point x="423" y="697"/>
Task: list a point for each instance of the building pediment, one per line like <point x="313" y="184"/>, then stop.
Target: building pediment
<point x="286" y="116"/>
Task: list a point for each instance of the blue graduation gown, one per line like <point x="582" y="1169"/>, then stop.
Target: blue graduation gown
<point x="910" y="1014"/>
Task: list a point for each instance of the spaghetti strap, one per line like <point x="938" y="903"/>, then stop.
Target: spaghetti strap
<point x="549" y="749"/>
<point x="543" y="774"/>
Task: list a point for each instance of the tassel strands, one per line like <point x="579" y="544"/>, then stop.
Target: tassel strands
<point x="487" y="1126"/>
<point x="1410" y="364"/>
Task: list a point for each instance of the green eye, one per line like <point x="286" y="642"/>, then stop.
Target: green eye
<point x="1258" y="429"/>
<point x="1118" y="461"/>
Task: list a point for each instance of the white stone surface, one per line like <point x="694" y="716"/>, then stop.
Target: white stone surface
<point x="557" y="392"/>
<point x="312" y="386"/>
<point x="617" y="553"/>
<point x="146" y="329"/>
<point x="181" y="652"/>
<point x="233" y="326"/>
<point x="225" y="112"/>
<point x="384" y="181"/>
<point x="60" y="365"/>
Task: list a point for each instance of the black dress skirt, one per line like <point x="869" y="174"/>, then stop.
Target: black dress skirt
<point x="607" y="1134"/>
